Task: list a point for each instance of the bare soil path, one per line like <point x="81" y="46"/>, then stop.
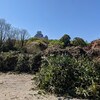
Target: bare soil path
<point x="20" y="87"/>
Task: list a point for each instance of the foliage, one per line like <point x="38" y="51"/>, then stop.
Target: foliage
<point x="55" y="43"/>
<point x="66" y="40"/>
<point x="36" y="45"/>
<point x="9" y="36"/>
<point x="46" y="37"/>
<point x="35" y="62"/>
<point x="37" y="40"/>
<point x="21" y="62"/>
<point x="69" y="76"/>
<point x="8" y="61"/>
<point x="79" y="42"/>
<point x="8" y="45"/>
<point x="40" y="35"/>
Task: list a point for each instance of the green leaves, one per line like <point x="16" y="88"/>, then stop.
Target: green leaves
<point x="21" y="62"/>
<point x="66" y="40"/>
<point x="79" y="42"/>
<point x="67" y="75"/>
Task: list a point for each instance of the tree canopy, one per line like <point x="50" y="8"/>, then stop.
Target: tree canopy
<point x="77" y="41"/>
<point x="66" y="39"/>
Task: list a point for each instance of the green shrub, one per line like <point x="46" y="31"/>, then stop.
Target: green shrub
<point x="79" y="42"/>
<point x="8" y="61"/>
<point x="35" y="62"/>
<point x="22" y="64"/>
<point x="39" y="40"/>
<point x="66" y="40"/>
<point x="35" y="45"/>
<point x="16" y="61"/>
<point x="69" y="76"/>
<point x="56" y="43"/>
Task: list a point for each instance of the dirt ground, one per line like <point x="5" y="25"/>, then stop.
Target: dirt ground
<point x="20" y="87"/>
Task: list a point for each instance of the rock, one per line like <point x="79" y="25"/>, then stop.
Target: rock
<point x="34" y="47"/>
<point x="1" y="82"/>
<point x="95" y="44"/>
<point x="94" y="49"/>
<point x="60" y="98"/>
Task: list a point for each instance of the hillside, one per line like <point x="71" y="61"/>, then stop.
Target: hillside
<point x="63" y="67"/>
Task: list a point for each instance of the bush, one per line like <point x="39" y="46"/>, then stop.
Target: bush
<point x="35" y="45"/>
<point x="8" y="62"/>
<point x="35" y="62"/>
<point x="68" y="76"/>
<point x="79" y="42"/>
<point x="39" y="40"/>
<point x="56" y="43"/>
<point x="66" y="40"/>
<point x="22" y="64"/>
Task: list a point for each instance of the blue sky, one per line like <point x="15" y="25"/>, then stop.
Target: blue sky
<point x="78" y="18"/>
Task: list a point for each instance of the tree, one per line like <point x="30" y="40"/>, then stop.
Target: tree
<point x="23" y="36"/>
<point x="77" y="41"/>
<point x="39" y="34"/>
<point x="12" y="33"/>
<point x="46" y="37"/>
<point x="66" y="40"/>
<point x="9" y="36"/>
<point x="4" y="30"/>
<point x="11" y="39"/>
